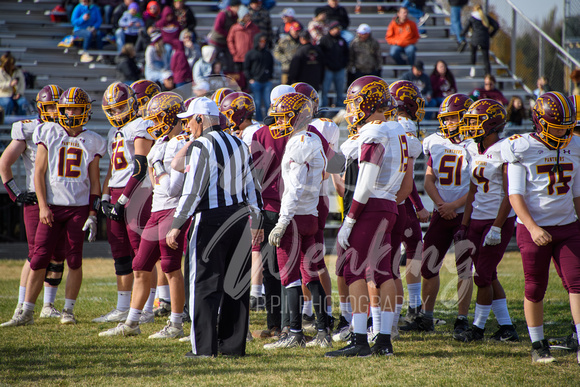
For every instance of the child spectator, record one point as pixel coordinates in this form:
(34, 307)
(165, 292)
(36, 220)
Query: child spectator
(157, 60)
(192, 50)
(127, 69)
(516, 112)
(543, 86)
(442, 82)
(168, 26)
(130, 25)
(203, 67)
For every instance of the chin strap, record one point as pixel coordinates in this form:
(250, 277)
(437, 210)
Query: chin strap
(557, 167)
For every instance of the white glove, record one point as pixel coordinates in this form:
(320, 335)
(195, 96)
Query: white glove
(344, 232)
(493, 237)
(91, 225)
(276, 234)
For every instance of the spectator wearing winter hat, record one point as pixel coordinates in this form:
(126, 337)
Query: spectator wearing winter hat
(307, 64)
(365, 54)
(288, 16)
(157, 60)
(179, 66)
(152, 14)
(318, 26)
(420, 79)
(241, 38)
(191, 47)
(261, 17)
(218, 35)
(169, 27)
(130, 25)
(336, 56)
(203, 67)
(336, 12)
(286, 48)
(402, 34)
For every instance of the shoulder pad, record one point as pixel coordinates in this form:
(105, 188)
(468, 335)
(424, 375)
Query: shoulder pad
(512, 148)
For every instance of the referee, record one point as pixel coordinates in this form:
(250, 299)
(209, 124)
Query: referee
(220, 193)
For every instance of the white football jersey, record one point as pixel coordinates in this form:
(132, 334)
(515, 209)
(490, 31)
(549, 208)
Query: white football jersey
(393, 138)
(303, 166)
(349, 148)
(23, 131)
(450, 164)
(248, 133)
(487, 175)
(67, 176)
(411, 130)
(548, 195)
(331, 133)
(122, 150)
(167, 190)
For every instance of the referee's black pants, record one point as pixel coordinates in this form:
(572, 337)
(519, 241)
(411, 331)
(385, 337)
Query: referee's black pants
(220, 262)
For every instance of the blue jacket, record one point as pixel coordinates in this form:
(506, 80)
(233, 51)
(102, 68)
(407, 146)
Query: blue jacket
(95, 19)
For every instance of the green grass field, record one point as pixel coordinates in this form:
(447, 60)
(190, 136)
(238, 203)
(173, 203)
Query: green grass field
(50, 354)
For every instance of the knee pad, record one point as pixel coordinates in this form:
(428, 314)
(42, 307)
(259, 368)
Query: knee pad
(535, 292)
(53, 274)
(123, 266)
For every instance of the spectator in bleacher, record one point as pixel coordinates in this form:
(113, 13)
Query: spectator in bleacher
(261, 17)
(335, 50)
(218, 35)
(179, 66)
(107, 7)
(258, 70)
(318, 26)
(516, 112)
(169, 27)
(456, 7)
(423, 82)
(365, 54)
(130, 26)
(203, 67)
(192, 49)
(86, 21)
(119, 11)
(358, 7)
(336, 12)
(157, 60)
(307, 65)
(402, 34)
(152, 14)
(286, 48)
(288, 16)
(70, 5)
(415, 8)
(542, 86)
(241, 38)
(12, 86)
(442, 82)
(185, 17)
(483, 27)
(489, 91)
(127, 69)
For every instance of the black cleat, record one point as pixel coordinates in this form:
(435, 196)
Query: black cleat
(383, 346)
(541, 352)
(460, 326)
(506, 333)
(358, 347)
(421, 323)
(472, 334)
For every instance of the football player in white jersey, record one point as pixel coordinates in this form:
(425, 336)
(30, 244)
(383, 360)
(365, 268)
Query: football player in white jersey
(66, 180)
(162, 110)
(129, 143)
(447, 184)
(22, 144)
(385, 178)
(488, 220)
(544, 186)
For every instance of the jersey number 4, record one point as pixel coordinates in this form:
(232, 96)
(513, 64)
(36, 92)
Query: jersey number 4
(559, 178)
(69, 162)
(478, 175)
(450, 165)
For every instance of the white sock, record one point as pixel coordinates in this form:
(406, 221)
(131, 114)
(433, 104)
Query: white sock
(536, 333)
(359, 323)
(28, 306)
(49, 295)
(344, 311)
(481, 315)
(386, 322)
(149, 304)
(176, 318)
(500, 309)
(21, 294)
(123, 300)
(398, 309)
(69, 304)
(164, 293)
(578, 330)
(134, 315)
(329, 310)
(414, 294)
(256, 291)
(307, 308)
(376, 314)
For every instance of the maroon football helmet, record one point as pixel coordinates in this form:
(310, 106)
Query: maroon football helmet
(48, 96)
(119, 104)
(484, 117)
(409, 99)
(576, 102)
(309, 91)
(553, 111)
(452, 109)
(237, 107)
(219, 95)
(365, 96)
(291, 111)
(75, 97)
(163, 110)
(144, 91)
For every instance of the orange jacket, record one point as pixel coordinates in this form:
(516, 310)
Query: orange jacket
(402, 34)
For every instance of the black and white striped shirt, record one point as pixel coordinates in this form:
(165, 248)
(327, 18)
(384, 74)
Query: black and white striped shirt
(219, 173)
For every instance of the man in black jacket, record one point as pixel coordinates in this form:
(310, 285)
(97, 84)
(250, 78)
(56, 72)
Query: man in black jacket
(335, 50)
(258, 70)
(307, 65)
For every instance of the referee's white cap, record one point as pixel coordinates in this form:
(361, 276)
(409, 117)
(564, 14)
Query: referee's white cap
(202, 106)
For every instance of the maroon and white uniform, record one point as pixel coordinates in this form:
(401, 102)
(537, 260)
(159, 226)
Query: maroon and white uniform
(124, 237)
(487, 174)
(166, 193)
(248, 133)
(549, 197)
(450, 164)
(67, 190)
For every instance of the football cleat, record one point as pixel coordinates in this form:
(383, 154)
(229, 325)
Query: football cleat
(21, 319)
(67, 317)
(169, 331)
(257, 304)
(122, 330)
(49, 311)
(371, 336)
(290, 340)
(568, 343)
(460, 326)
(309, 323)
(322, 340)
(412, 314)
(507, 333)
(541, 352)
(358, 347)
(163, 310)
(115, 315)
(146, 317)
(421, 324)
(395, 332)
(383, 346)
(342, 330)
(472, 334)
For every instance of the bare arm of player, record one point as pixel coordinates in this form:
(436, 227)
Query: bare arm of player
(407, 183)
(505, 206)
(95, 180)
(151, 176)
(469, 205)
(9, 157)
(338, 182)
(442, 207)
(40, 168)
(106, 190)
(178, 162)
(540, 236)
(171, 238)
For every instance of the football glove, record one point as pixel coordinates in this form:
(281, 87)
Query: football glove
(493, 237)
(461, 234)
(118, 212)
(27, 198)
(344, 232)
(276, 235)
(91, 225)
